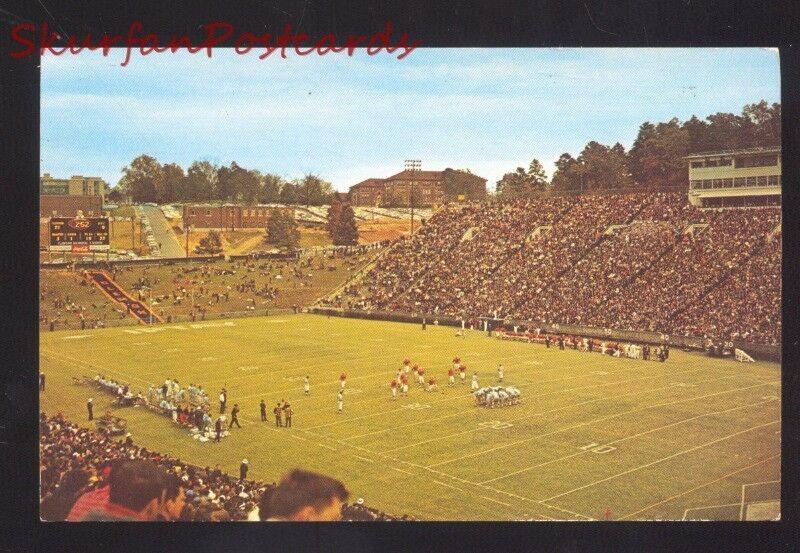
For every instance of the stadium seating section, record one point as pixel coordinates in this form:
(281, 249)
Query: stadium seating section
(644, 261)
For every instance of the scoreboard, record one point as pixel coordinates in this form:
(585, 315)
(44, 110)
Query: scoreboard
(79, 234)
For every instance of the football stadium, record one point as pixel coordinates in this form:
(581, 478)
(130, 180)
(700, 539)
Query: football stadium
(604, 344)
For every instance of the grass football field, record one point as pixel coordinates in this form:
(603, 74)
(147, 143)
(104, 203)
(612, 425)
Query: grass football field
(594, 436)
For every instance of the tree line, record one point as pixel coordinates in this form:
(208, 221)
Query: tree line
(655, 160)
(146, 180)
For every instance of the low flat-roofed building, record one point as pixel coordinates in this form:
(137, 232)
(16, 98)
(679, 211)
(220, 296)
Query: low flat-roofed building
(735, 178)
(227, 217)
(69, 206)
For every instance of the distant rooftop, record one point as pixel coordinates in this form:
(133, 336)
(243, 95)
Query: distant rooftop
(770, 150)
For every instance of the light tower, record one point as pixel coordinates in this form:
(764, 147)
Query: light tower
(413, 166)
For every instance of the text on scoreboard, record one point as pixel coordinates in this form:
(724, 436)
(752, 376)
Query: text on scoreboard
(79, 234)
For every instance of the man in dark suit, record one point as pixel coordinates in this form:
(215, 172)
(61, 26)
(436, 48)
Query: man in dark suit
(90, 408)
(235, 416)
(287, 412)
(263, 411)
(277, 412)
(41, 382)
(243, 469)
(218, 428)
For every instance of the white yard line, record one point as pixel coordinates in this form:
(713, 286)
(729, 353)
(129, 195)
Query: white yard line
(637, 435)
(495, 500)
(684, 452)
(472, 408)
(461, 396)
(638, 410)
(448, 485)
(79, 363)
(744, 486)
(686, 512)
(665, 500)
(408, 463)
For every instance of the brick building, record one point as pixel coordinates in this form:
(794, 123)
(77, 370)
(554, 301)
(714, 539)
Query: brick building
(430, 188)
(68, 206)
(227, 217)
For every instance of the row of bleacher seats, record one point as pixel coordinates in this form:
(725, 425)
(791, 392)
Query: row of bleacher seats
(643, 261)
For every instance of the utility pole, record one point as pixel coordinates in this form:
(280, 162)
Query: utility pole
(412, 166)
(188, 227)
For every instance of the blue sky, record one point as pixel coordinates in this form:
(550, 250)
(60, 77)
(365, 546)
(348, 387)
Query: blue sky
(346, 119)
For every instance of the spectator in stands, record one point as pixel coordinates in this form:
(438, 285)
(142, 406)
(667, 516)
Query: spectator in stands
(304, 496)
(57, 505)
(137, 492)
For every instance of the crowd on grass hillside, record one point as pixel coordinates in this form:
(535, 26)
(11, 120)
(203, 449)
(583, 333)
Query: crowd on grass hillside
(643, 261)
(195, 290)
(86, 475)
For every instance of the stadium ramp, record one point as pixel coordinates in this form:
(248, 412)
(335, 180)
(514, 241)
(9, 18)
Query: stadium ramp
(134, 308)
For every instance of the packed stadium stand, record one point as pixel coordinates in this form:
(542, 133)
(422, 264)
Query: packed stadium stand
(76, 464)
(640, 261)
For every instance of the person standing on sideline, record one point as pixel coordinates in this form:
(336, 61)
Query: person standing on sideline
(235, 416)
(218, 428)
(223, 399)
(41, 382)
(287, 411)
(90, 408)
(277, 412)
(243, 469)
(306, 385)
(500, 373)
(263, 406)
(340, 401)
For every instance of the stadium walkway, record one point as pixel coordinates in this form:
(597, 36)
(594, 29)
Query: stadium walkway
(170, 247)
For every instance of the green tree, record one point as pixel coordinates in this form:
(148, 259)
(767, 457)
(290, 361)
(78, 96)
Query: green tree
(247, 185)
(114, 195)
(143, 180)
(537, 178)
(174, 183)
(270, 189)
(201, 181)
(513, 185)
(603, 168)
(312, 190)
(289, 194)
(656, 157)
(225, 189)
(568, 176)
(522, 183)
(765, 122)
(341, 225)
(282, 230)
(210, 244)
